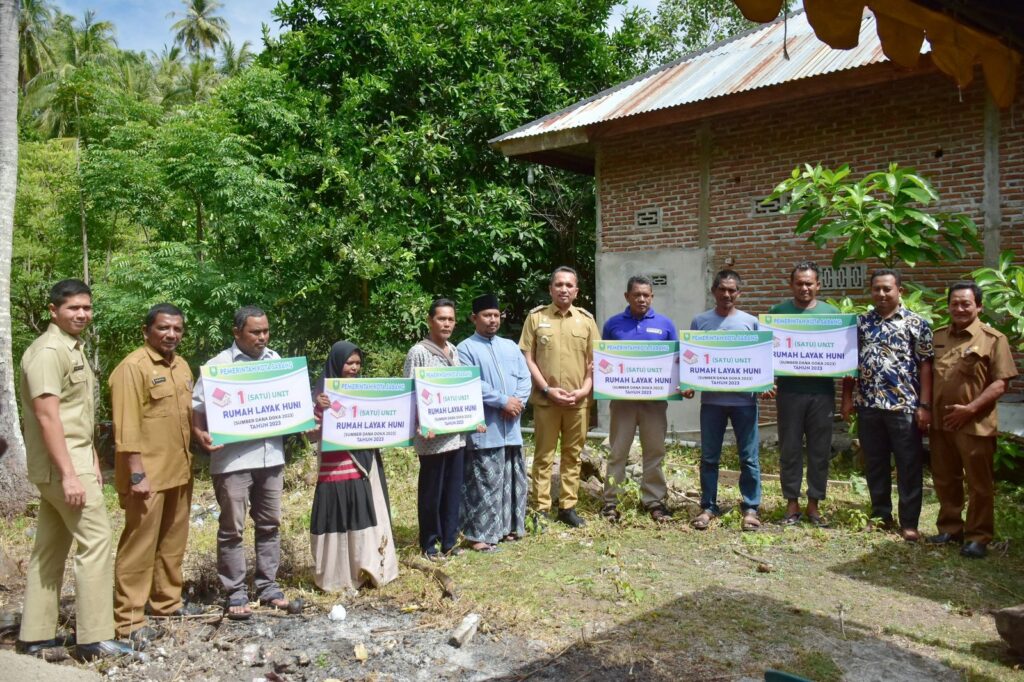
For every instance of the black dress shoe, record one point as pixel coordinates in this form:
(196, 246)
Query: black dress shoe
(570, 518)
(945, 539)
(973, 550)
(141, 637)
(33, 648)
(110, 648)
(190, 609)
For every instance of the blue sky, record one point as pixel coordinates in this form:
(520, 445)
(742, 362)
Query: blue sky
(144, 24)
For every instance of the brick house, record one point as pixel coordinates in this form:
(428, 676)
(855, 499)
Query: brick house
(684, 154)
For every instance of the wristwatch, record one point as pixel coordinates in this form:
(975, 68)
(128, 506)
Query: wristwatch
(138, 478)
(545, 390)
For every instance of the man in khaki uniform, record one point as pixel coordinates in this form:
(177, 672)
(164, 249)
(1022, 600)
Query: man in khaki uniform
(151, 393)
(558, 341)
(973, 365)
(57, 408)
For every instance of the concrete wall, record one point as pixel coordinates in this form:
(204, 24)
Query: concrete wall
(682, 295)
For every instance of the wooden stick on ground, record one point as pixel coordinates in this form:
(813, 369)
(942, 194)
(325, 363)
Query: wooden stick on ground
(445, 580)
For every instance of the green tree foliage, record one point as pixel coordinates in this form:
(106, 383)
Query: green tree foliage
(880, 217)
(1004, 297)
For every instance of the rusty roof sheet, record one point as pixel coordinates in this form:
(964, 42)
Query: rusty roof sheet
(746, 62)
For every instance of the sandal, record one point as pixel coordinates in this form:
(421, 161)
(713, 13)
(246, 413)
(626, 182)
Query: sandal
(237, 608)
(817, 521)
(659, 514)
(279, 602)
(484, 548)
(703, 520)
(792, 519)
(750, 520)
(610, 513)
(511, 537)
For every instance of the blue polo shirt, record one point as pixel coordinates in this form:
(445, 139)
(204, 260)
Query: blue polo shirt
(651, 327)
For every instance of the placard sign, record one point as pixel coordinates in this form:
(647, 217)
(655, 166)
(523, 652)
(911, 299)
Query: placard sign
(251, 400)
(448, 399)
(813, 345)
(636, 370)
(736, 361)
(368, 413)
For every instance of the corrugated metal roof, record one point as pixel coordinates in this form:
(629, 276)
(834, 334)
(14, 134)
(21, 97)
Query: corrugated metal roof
(746, 62)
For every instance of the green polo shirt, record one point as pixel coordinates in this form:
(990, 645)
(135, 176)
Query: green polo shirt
(812, 385)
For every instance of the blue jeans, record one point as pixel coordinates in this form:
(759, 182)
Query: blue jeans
(713, 419)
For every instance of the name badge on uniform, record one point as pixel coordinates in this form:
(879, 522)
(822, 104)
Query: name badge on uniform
(78, 368)
(541, 325)
(159, 380)
(651, 330)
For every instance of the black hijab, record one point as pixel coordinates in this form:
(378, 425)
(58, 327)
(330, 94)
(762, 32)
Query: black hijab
(341, 351)
(336, 359)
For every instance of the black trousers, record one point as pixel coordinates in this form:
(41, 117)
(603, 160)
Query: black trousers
(886, 436)
(438, 499)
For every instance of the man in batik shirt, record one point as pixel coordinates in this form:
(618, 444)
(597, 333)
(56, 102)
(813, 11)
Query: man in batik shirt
(893, 399)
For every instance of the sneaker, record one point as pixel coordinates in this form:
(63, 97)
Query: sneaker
(570, 518)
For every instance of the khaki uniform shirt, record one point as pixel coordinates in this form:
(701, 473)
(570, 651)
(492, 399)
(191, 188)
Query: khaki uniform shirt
(152, 412)
(562, 346)
(55, 365)
(966, 363)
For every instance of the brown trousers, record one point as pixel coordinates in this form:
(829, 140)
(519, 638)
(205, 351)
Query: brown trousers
(651, 418)
(954, 456)
(550, 422)
(149, 556)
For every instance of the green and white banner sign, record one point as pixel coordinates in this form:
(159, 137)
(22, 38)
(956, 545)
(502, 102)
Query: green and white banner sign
(252, 400)
(813, 345)
(368, 413)
(636, 370)
(448, 399)
(734, 361)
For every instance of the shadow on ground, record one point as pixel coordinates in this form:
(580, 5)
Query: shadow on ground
(715, 634)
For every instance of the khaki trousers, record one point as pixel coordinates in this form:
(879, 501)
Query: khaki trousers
(550, 422)
(57, 525)
(652, 418)
(955, 454)
(149, 556)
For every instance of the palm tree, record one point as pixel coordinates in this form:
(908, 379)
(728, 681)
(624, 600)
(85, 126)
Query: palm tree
(195, 83)
(235, 60)
(169, 66)
(35, 25)
(199, 28)
(14, 486)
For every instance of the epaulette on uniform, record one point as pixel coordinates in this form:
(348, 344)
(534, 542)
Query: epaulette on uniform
(538, 309)
(586, 312)
(990, 330)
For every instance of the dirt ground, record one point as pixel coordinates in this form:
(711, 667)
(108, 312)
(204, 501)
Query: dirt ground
(633, 601)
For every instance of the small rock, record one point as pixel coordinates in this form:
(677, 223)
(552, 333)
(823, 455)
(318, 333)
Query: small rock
(251, 655)
(264, 631)
(464, 633)
(303, 659)
(223, 646)
(338, 612)
(1010, 625)
(113, 671)
(360, 652)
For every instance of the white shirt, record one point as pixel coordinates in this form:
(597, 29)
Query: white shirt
(250, 454)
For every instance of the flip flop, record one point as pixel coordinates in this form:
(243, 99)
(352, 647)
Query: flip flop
(792, 519)
(237, 608)
(486, 548)
(817, 521)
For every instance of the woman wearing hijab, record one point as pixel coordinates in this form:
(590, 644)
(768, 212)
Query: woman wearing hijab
(350, 527)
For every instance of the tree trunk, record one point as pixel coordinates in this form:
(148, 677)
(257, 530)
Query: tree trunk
(200, 227)
(81, 209)
(15, 490)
